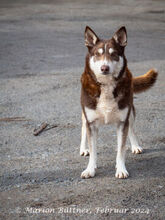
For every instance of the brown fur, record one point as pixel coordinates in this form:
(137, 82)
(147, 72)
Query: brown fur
(90, 87)
(124, 90)
(144, 82)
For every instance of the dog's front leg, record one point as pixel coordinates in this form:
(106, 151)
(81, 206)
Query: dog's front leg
(91, 168)
(136, 149)
(84, 151)
(122, 131)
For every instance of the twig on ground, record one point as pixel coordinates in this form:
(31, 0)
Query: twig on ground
(38, 130)
(51, 126)
(43, 127)
(14, 119)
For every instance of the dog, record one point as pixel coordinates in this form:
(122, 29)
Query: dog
(107, 88)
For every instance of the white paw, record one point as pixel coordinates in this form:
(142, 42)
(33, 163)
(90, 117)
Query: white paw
(121, 173)
(137, 149)
(84, 152)
(88, 173)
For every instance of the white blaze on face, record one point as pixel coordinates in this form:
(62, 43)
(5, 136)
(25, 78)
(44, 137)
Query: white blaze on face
(114, 66)
(105, 47)
(96, 65)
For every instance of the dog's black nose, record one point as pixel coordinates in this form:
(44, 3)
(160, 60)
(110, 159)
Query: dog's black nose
(105, 69)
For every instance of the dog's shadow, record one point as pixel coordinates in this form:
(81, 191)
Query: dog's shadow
(144, 165)
(149, 164)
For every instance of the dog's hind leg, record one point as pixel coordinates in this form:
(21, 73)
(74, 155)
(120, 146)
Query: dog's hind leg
(84, 151)
(91, 168)
(122, 131)
(136, 149)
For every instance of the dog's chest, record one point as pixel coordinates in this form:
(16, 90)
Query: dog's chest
(107, 106)
(107, 110)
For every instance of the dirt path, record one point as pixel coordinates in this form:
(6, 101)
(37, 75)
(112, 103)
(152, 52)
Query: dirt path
(42, 57)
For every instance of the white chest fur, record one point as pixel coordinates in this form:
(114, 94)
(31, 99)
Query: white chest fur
(107, 110)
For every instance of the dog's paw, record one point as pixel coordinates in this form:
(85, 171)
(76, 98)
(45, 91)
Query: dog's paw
(121, 173)
(88, 173)
(137, 149)
(84, 152)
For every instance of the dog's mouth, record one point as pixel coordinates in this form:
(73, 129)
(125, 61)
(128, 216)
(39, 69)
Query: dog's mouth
(105, 72)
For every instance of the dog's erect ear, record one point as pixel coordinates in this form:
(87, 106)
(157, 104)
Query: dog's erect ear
(121, 36)
(90, 37)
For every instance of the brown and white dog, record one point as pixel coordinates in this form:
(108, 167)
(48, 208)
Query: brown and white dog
(107, 97)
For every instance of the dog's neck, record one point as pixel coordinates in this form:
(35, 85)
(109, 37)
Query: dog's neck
(106, 80)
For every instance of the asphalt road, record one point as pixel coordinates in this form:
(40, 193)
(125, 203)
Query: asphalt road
(41, 60)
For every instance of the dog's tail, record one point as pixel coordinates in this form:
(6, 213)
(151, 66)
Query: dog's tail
(144, 82)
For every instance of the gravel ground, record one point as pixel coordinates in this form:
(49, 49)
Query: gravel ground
(41, 58)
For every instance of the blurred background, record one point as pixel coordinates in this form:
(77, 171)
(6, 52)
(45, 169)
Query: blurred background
(42, 56)
(47, 35)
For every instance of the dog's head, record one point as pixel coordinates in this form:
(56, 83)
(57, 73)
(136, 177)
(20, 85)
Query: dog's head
(106, 57)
